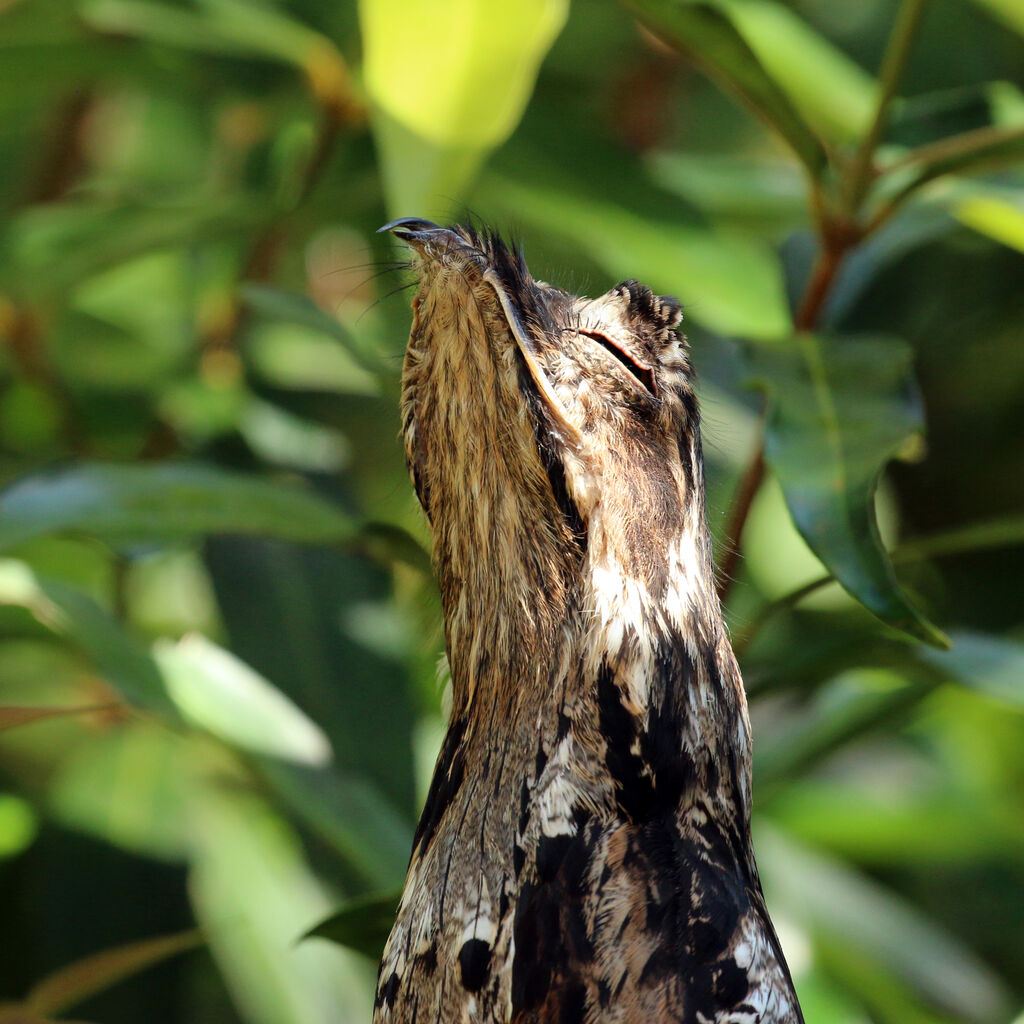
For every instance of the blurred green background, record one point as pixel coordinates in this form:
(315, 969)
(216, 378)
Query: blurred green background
(218, 629)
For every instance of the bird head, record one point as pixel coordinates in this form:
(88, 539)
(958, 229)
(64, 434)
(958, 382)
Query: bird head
(548, 436)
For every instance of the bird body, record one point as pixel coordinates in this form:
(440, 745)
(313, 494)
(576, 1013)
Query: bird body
(584, 853)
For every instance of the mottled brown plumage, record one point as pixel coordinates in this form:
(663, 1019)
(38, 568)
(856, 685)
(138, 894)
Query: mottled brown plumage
(584, 854)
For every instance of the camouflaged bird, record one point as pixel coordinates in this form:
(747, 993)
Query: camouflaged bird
(584, 853)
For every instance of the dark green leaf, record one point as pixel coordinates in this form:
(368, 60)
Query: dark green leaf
(990, 665)
(362, 925)
(288, 612)
(124, 661)
(839, 410)
(706, 31)
(169, 501)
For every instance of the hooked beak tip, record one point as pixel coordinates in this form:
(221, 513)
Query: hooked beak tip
(408, 228)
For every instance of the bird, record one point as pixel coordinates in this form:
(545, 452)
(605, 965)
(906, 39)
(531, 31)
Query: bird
(584, 853)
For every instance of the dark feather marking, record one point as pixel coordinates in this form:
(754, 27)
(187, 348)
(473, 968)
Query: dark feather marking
(445, 785)
(474, 964)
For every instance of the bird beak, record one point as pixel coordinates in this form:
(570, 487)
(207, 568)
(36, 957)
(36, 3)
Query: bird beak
(424, 234)
(420, 233)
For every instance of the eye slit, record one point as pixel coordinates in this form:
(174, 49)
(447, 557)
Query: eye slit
(642, 373)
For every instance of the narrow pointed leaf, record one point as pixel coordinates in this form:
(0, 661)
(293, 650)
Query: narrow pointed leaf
(362, 925)
(707, 32)
(171, 501)
(839, 410)
(76, 982)
(217, 691)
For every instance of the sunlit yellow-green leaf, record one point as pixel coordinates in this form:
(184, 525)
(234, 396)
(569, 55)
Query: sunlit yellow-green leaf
(448, 83)
(998, 218)
(835, 94)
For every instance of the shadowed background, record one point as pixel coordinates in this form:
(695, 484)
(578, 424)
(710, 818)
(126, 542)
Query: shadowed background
(218, 629)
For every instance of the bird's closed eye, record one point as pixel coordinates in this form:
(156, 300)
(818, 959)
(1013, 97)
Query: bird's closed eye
(642, 373)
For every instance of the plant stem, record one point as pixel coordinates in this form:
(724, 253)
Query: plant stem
(908, 21)
(830, 257)
(838, 233)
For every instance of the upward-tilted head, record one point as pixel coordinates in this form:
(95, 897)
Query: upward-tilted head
(584, 852)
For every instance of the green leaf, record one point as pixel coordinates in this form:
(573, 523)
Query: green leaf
(849, 708)
(350, 813)
(169, 501)
(76, 982)
(989, 665)
(128, 786)
(984, 149)
(287, 307)
(1009, 12)
(67, 612)
(999, 215)
(835, 95)
(220, 693)
(232, 27)
(837, 904)
(730, 283)
(49, 248)
(443, 102)
(839, 410)
(363, 925)
(18, 825)
(287, 611)
(708, 33)
(254, 895)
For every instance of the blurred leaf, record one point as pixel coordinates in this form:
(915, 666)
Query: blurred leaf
(13, 717)
(168, 501)
(363, 925)
(255, 895)
(1000, 217)
(287, 307)
(18, 825)
(841, 713)
(445, 101)
(217, 691)
(987, 664)
(737, 186)
(124, 662)
(835, 95)
(730, 283)
(231, 27)
(836, 902)
(983, 149)
(1009, 12)
(76, 982)
(838, 411)
(127, 785)
(285, 610)
(360, 824)
(48, 248)
(708, 32)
